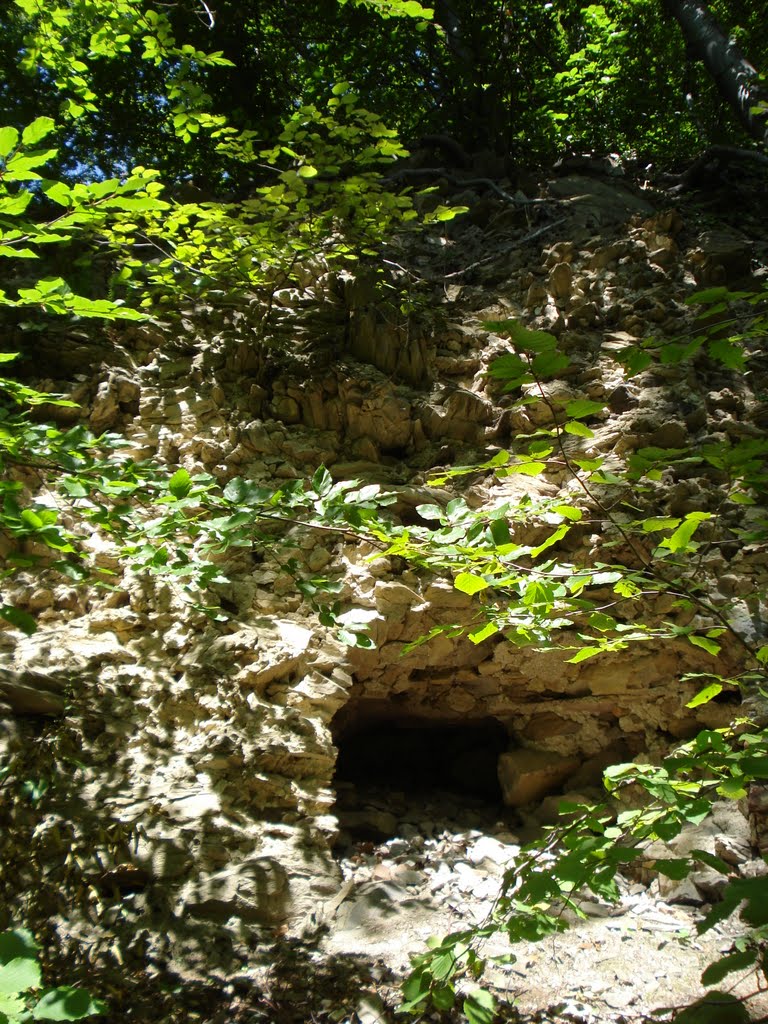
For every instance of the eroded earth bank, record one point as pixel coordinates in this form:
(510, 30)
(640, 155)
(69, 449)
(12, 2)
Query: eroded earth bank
(246, 820)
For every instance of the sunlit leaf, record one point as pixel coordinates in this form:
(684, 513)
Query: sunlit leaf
(706, 645)
(470, 584)
(582, 407)
(553, 538)
(18, 975)
(67, 1003)
(478, 635)
(180, 483)
(654, 523)
(531, 468)
(583, 654)
(578, 429)
(479, 1007)
(568, 512)
(681, 538)
(9, 138)
(705, 695)
(37, 130)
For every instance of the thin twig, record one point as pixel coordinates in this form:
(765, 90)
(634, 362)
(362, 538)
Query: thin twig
(441, 172)
(508, 248)
(209, 12)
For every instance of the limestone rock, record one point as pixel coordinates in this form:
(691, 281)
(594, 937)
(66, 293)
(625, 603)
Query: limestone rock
(561, 281)
(32, 693)
(721, 258)
(255, 891)
(527, 775)
(491, 854)
(598, 203)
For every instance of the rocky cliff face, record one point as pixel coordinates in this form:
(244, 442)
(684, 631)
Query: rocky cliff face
(180, 805)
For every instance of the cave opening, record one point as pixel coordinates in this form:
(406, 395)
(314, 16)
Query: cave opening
(398, 770)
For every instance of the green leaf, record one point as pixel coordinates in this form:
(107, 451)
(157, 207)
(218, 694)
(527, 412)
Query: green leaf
(524, 338)
(589, 465)
(672, 354)
(19, 254)
(430, 511)
(443, 997)
(582, 654)
(578, 429)
(602, 622)
(568, 512)
(470, 584)
(706, 644)
(11, 1009)
(415, 990)
(413, 9)
(180, 484)
(654, 523)
(18, 168)
(732, 789)
(558, 535)
(31, 519)
(489, 629)
(9, 137)
(531, 468)
(729, 353)
(499, 530)
(12, 206)
(752, 890)
(509, 367)
(67, 1003)
(681, 538)
(322, 481)
(19, 975)
(549, 364)
(708, 295)
(741, 498)
(479, 1007)
(37, 130)
(705, 695)
(672, 867)
(634, 361)
(445, 213)
(582, 407)
(246, 492)
(307, 171)
(20, 619)
(756, 767)
(364, 641)
(443, 965)
(712, 861)
(626, 588)
(18, 943)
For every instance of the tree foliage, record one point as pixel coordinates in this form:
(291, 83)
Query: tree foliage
(132, 82)
(22, 996)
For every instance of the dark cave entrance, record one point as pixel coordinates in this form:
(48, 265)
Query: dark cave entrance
(393, 768)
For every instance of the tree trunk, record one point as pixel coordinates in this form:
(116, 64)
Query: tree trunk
(736, 80)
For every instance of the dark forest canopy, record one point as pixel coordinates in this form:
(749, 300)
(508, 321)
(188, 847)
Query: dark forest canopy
(135, 83)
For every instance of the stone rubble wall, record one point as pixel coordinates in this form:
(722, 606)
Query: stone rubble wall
(189, 808)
